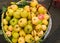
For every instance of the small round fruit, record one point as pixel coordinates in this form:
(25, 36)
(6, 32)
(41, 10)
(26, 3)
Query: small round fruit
(29, 15)
(5, 27)
(40, 22)
(45, 22)
(41, 33)
(8, 33)
(10, 28)
(44, 27)
(14, 40)
(29, 22)
(5, 22)
(24, 14)
(29, 38)
(17, 28)
(38, 27)
(27, 8)
(33, 9)
(13, 7)
(33, 15)
(42, 10)
(36, 38)
(41, 16)
(16, 14)
(10, 12)
(28, 29)
(20, 10)
(13, 21)
(15, 35)
(33, 3)
(22, 22)
(22, 33)
(34, 33)
(35, 20)
(46, 16)
(13, 32)
(8, 18)
(21, 40)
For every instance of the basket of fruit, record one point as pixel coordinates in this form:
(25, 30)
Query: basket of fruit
(26, 22)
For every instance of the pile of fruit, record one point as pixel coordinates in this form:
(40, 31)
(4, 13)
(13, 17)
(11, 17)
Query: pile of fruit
(27, 24)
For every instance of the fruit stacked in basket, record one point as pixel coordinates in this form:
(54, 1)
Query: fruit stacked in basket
(26, 24)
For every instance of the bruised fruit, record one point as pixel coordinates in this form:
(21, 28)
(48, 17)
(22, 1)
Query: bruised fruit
(22, 22)
(15, 35)
(8, 33)
(14, 40)
(22, 33)
(5, 22)
(35, 20)
(17, 28)
(28, 29)
(13, 21)
(10, 28)
(21, 40)
(38, 27)
(29, 38)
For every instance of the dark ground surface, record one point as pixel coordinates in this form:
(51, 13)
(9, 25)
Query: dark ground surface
(54, 36)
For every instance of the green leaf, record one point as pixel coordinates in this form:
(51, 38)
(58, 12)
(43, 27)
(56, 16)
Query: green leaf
(4, 8)
(39, 41)
(22, 3)
(40, 22)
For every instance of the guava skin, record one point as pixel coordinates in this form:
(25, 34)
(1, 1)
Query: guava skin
(26, 23)
(22, 22)
(13, 21)
(29, 38)
(17, 28)
(28, 29)
(15, 35)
